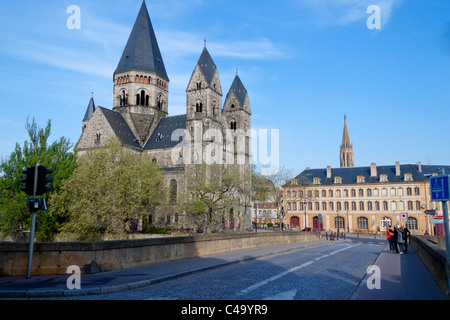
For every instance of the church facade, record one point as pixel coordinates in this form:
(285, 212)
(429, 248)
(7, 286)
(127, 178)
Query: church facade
(140, 114)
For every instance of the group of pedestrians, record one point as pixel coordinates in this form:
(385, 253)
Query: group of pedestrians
(398, 239)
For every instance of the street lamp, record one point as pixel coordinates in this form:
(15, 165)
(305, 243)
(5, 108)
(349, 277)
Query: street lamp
(338, 223)
(306, 219)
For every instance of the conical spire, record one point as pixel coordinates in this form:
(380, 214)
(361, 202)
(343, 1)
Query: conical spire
(90, 110)
(142, 50)
(239, 90)
(207, 65)
(346, 148)
(345, 136)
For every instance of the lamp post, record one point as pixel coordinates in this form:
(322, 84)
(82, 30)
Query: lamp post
(338, 222)
(306, 219)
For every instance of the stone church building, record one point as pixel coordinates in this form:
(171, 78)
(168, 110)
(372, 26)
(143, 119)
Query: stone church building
(140, 114)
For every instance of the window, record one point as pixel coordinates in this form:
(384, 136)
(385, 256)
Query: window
(377, 206)
(324, 206)
(199, 107)
(338, 193)
(369, 192)
(408, 191)
(233, 125)
(361, 205)
(401, 206)
(142, 98)
(383, 178)
(330, 193)
(393, 192)
(411, 224)
(354, 206)
(324, 194)
(337, 180)
(353, 192)
(346, 206)
(360, 179)
(384, 192)
(361, 192)
(173, 191)
(417, 205)
(317, 206)
(338, 206)
(408, 177)
(339, 223)
(362, 223)
(410, 205)
(385, 223)
(394, 206)
(385, 206)
(316, 193)
(316, 181)
(417, 191)
(369, 206)
(331, 206)
(346, 193)
(376, 193)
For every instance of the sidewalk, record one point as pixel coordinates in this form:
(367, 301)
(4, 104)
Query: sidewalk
(132, 278)
(403, 277)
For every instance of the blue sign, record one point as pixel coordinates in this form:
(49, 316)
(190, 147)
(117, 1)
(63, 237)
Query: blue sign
(440, 188)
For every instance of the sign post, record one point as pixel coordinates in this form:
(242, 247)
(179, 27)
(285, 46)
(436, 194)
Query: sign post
(440, 191)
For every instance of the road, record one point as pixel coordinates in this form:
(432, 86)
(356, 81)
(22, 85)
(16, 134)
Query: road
(329, 272)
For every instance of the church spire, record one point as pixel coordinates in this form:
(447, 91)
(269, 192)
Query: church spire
(346, 148)
(142, 51)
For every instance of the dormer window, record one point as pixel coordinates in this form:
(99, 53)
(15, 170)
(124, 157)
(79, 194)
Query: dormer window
(316, 180)
(360, 179)
(408, 177)
(383, 178)
(337, 180)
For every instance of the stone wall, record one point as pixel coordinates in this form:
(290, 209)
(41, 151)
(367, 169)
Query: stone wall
(433, 256)
(55, 258)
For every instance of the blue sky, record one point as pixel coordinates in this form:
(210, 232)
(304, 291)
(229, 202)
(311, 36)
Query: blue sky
(305, 63)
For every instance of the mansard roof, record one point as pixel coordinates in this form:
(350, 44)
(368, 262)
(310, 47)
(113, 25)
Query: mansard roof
(350, 175)
(207, 65)
(239, 90)
(90, 110)
(142, 51)
(121, 128)
(161, 137)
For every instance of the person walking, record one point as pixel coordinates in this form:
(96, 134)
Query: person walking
(406, 233)
(400, 240)
(395, 239)
(389, 238)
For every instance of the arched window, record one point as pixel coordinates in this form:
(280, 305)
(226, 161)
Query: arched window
(142, 98)
(138, 99)
(233, 125)
(173, 191)
(339, 223)
(363, 223)
(411, 224)
(199, 107)
(147, 100)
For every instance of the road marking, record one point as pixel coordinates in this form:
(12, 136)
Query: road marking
(288, 295)
(275, 277)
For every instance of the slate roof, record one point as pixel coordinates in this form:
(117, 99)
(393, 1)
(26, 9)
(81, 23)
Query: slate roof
(90, 110)
(161, 136)
(239, 90)
(121, 128)
(207, 65)
(142, 50)
(349, 175)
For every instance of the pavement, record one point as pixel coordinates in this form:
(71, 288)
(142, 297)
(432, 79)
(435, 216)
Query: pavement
(402, 276)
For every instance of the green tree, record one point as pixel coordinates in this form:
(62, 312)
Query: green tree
(212, 191)
(111, 187)
(14, 213)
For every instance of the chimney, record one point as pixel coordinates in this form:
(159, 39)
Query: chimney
(420, 167)
(328, 171)
(397, 168)
(373, 170)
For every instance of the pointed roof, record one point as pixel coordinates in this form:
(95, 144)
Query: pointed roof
(90, 110)
(207, 65)
(239, 90)
(142, 50)
(345, 135)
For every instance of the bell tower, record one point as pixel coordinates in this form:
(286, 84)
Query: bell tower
(141, 84)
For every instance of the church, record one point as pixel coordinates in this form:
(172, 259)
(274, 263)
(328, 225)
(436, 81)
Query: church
(140, 114)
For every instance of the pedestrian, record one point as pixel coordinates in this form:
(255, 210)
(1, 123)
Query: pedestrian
(395, 239)
(400, 240)
(406, 233)
(389, 238)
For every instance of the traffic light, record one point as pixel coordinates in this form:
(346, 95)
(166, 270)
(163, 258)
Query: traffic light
(29, 181)
(43, 180)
